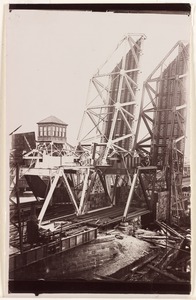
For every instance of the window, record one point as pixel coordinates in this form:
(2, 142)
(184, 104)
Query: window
(53, 131)
(45, 131)
(49, 130)
(63, 134)
(40, 131)
(57, 131)
(60, 131)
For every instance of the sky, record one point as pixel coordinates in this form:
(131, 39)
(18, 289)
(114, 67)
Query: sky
(51, 56)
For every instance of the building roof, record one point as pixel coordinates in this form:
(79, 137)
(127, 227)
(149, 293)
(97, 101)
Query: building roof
(53, 120)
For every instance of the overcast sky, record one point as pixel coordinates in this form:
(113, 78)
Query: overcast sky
(51, 55)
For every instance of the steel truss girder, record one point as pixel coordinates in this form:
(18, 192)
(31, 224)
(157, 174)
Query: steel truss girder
(83, 183)
(81, 190)
(47, 149)
(163, 114)
(111, 101)
(58, 174)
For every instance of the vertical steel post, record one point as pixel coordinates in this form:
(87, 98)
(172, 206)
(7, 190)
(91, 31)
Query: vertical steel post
(85, 186)
(18, 208)
(130, 196)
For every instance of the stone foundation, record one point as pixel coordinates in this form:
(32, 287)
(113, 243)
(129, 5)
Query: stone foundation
(68, 264)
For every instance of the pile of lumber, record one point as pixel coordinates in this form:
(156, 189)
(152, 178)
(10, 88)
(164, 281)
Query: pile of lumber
(158, 238)
(172, 244)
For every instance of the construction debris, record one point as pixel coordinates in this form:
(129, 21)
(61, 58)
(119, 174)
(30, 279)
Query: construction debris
(152, 264)
(165, 274)
(169, 230)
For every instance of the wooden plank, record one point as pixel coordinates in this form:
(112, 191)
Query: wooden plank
(171, 230)
(105, 278)
(145, 262)
(156, 237)
(173, 254)
(164, 273)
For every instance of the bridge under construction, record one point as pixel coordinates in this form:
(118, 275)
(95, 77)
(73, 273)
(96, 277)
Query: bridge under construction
(127, 164)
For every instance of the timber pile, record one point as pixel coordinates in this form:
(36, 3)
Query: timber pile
(159, 238)
(169, 246)
(161, 264)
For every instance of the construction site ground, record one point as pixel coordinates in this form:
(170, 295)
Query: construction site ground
(137, 260)
(129, 250)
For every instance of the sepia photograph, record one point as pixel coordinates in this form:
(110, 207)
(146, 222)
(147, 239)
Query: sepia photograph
(98, 142)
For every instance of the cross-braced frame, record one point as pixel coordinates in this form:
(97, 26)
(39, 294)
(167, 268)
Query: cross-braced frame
(109, 116)
(163, 114)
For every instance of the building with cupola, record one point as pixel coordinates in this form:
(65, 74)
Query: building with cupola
(52, 129)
